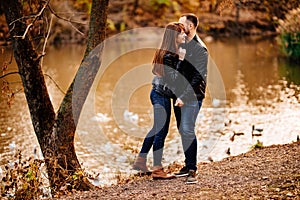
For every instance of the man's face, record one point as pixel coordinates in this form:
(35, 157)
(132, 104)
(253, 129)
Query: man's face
(185, 22)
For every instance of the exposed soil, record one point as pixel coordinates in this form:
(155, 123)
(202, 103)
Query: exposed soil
(267, 173)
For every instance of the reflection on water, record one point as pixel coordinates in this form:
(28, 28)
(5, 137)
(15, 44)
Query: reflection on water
(261, 91)
(290, 71)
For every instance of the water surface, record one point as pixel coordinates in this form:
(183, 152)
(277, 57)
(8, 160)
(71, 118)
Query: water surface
(257, 88)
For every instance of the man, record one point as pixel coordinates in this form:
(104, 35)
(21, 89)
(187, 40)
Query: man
(190, 93)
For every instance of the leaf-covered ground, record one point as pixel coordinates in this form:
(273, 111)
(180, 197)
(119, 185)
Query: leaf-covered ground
(268, 173)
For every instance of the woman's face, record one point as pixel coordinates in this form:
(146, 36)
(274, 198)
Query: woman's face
(186, 24)
(181, 38)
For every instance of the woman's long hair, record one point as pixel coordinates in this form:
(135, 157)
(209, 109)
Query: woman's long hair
(168, 45)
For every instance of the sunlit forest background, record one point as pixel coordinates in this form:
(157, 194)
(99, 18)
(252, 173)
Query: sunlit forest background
(218, 18)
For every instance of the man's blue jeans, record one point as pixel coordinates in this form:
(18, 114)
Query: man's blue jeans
(186, 119)
(159, 131)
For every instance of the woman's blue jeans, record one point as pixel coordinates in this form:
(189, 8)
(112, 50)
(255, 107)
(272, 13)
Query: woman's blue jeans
(186, 119)
(156, 136)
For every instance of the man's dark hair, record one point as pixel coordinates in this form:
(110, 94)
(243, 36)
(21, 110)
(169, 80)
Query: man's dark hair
(191, 17)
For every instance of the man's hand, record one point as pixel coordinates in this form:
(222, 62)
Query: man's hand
(179, 102)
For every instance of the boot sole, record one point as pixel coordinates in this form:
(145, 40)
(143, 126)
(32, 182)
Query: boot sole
(141, 172)
(181, 175)
(163, 178)
(139, 169)
(191, 182)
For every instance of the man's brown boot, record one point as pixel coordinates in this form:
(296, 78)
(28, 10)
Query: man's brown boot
(140, 165)
(158, 173)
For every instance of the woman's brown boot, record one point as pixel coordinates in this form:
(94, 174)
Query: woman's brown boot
(140, 165)
(158, 173)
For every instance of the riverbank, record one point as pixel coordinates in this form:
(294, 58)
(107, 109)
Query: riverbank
(264, 173)
(223, 19)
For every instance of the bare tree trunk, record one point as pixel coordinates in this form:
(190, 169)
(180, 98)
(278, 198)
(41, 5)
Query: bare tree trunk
(237, 4)
(135, 6)
(98, 22)
(73, 102)
(39, 103)
(55, 133)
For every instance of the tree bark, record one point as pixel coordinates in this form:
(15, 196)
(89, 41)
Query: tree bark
(55, 133)
(73, 102)
(38, 100)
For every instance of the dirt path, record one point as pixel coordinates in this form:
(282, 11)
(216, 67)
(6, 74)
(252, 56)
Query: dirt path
(268, 173)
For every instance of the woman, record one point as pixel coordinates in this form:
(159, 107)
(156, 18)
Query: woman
(166, 62)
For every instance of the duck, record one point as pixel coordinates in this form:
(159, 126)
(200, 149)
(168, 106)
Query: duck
(236, 134)
(256, 131)
(228, 151)
(228, 123)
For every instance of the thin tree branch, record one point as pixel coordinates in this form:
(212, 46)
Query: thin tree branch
(55, 83)
(31, 24)
(76, 29)
(39, 14)
(20, 20)
(46, 39)
(11, 58)
(10, 73)
(26, 31)
(15, 82)
(19, 90)
(6, 63)
(32, 16)
(62, 18)
(67, 20)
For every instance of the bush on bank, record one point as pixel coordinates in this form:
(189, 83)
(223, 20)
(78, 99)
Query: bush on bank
(289, 34)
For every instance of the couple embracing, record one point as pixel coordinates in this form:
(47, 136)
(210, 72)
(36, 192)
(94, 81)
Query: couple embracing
(180, 69)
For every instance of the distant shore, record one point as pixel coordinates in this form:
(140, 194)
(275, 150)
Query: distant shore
(251, 19)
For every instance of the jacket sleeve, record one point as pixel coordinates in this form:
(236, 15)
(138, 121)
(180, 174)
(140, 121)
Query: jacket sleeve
(199, 76)
(171, 67)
